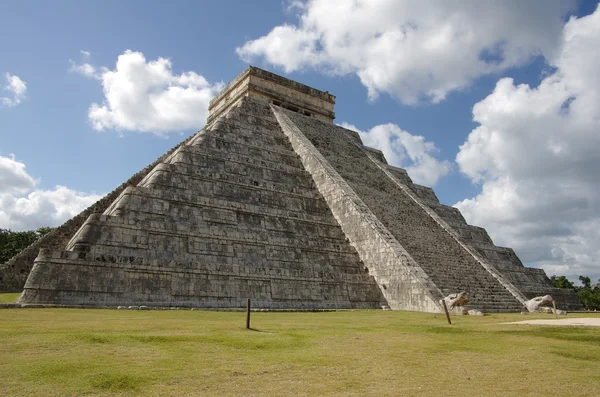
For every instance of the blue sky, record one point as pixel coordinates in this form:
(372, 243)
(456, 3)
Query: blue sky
(408, 70)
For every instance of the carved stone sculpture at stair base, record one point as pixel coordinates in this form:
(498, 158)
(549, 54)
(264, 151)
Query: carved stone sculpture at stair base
(274, 202)
(458, 299)
(534, 304)
(457, 303)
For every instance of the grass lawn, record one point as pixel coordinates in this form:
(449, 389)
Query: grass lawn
(9, 298)
(72, 352)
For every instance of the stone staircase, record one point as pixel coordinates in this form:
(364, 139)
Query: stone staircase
(531, 282)
(449, 266)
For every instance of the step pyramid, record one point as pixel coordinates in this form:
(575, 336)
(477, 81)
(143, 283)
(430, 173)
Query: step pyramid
(272, 201)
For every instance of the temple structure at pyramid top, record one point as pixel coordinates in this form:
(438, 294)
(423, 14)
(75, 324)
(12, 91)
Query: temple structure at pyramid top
(272, 201)
(268, 87)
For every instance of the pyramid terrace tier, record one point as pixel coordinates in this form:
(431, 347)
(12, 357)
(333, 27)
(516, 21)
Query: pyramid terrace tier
(222, 219)
(273, 202)
(77, 278)
(266, 87)
(14, 273)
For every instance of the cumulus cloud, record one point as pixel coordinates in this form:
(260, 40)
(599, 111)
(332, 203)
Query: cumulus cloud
(405, 150)
(17, 89)
(13, 177)
(535, 154)
(23, 208)
(412, 50)
(147, 96)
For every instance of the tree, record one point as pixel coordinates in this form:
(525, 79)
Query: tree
(586, 281)
(588, 294)
(562, 282)
(42, 231)
(11, 243)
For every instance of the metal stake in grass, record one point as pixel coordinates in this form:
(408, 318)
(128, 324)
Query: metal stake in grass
(248, 314)
(555, 311)
(446, 310)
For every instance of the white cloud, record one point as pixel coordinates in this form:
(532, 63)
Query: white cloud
(17, 89)
(535, 152)
(39, 207)
(85, 68)
(13, 177)
(294, 5)
(147, 96)
(405, 150)
(413, 50)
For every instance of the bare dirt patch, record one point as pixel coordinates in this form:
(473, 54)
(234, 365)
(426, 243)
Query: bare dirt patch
(585, 322)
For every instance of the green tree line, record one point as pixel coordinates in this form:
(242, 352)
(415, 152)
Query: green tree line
(11, 243)
(588, 294)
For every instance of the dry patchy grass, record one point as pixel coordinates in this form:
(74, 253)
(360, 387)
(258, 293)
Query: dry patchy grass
(70, 352)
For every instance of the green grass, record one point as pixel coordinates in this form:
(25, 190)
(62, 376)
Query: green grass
(9, 298)
(71, 352)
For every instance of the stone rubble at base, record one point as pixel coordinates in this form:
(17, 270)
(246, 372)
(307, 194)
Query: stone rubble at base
(272, 201)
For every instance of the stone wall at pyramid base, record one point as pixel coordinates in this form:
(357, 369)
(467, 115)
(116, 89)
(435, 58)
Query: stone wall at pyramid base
(73, 278)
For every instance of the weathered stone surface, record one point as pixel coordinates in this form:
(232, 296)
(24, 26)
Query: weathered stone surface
(273, 202)
(14, 273)
(404, 283)
(530, 282)
(227, 216)
(268, 87)
(441, 263)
